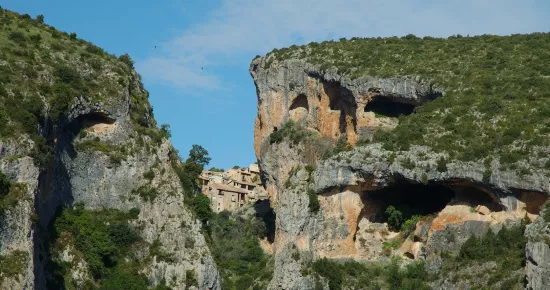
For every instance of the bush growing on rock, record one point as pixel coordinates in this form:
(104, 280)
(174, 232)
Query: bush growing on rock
(313, 205)
(395, 218)
(103, 237)
(355, 275)
(4, 185)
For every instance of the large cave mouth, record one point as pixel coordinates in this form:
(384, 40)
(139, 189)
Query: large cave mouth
(410, 198)
(384, 106)
(425, 199)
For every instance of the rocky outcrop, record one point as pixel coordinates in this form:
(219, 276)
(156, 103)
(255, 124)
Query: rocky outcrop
(538, 253)
(100, 161)
(355, 187)
(17, 231)
(330, 103)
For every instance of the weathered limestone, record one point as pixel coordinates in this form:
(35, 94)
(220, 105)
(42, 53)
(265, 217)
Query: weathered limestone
(98, 179)
(346, 225)
(325, 101)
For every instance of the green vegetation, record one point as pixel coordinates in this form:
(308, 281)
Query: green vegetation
(45, 68)
(341, 145)
(233, 241)
(292, 131)
(442, 165)
(102, 238)
(545, 212)
(401, 219)
(214, 169)
(116, 153)
(355, 275)
(147, 192)
(10, 193)
(506, 249)
(188, 172)
(149, 175)
(13, 264)
(190, 279)
(497, 90)
(314, 205)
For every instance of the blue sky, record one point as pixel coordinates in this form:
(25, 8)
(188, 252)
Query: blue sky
(198, 75)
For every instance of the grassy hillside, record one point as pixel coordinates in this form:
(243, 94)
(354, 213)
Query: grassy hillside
(497, 90)
(43, 71)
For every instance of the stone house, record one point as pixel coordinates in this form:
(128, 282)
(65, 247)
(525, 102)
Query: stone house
(233, 188)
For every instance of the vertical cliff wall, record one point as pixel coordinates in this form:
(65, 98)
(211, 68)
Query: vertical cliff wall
(337, 206)
(77, 132)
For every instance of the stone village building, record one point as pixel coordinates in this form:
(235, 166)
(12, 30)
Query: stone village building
(233, 188)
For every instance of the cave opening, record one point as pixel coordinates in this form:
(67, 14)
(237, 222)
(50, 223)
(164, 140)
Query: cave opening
(300, 102)
(265, 213)
(384, 106)
(410, 199)
(417, 199)
(90, 120)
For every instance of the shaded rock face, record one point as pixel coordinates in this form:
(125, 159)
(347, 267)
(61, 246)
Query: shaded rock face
(354, 188)
(101, 178)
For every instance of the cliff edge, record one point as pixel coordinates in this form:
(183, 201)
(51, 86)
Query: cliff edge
(405, 147)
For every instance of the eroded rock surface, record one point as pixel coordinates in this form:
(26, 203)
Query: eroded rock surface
(355, 187)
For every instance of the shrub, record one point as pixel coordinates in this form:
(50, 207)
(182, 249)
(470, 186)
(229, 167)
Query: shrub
(147, 193)
(102, 236)
(290, 130)
(149, 175)
(122, 234)
(424, 178)
(165, 131)
(408, 163)
(233, 241)
(395, 218)
(93, 49)
(244, 282)
(126, 59)
(72, 35)
(189, 243)
(442, 165)
(5, 185)
(330, 270)
(13, 264)
(17, 36)
(506, 249)
(40, 19)
(313, 205)
(36, 38)
(56, 35)
(155, 250)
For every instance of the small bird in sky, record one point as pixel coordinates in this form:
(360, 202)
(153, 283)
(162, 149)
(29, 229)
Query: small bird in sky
(201, 68)
(155, 47)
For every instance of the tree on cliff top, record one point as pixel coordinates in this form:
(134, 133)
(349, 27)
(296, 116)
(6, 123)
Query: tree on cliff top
(188, 172)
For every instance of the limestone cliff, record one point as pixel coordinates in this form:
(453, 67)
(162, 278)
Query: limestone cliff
(459, 196)
(77, 128)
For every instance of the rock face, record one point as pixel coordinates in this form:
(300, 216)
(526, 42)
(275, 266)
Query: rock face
(538, 253)
(355, 187)
(329, 103)
(100, 160)
(92, 177)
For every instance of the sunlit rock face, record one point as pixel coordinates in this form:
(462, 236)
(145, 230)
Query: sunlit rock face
(356, 187)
